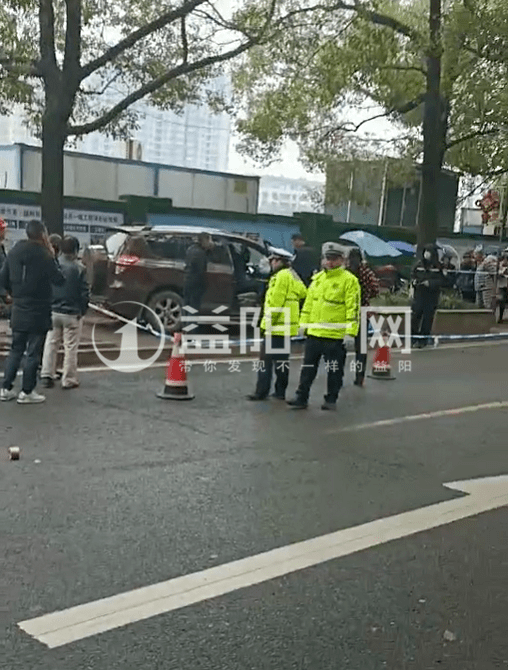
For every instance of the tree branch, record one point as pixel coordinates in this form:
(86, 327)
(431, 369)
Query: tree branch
(381, 19)
(105, 87)
(49, 65)
(131, 40)
(472, 136)
(400, 109)
(178, 71)
(185, 43)
(403, 68)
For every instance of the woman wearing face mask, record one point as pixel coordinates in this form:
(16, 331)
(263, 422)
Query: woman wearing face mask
(427, 280)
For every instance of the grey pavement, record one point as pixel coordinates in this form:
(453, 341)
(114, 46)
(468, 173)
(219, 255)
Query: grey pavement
(131, 490)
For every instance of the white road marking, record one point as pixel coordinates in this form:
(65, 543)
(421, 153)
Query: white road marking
(61, 628)
(419, 417)
(395, 352)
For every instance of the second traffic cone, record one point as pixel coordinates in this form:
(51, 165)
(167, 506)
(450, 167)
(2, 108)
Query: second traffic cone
(381, 368)
(175, 386)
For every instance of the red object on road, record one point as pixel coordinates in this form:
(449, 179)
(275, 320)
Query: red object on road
(381, 368)
(176, 387)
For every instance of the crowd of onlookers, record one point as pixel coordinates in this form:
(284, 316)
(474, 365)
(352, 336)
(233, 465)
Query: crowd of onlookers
(482, 278)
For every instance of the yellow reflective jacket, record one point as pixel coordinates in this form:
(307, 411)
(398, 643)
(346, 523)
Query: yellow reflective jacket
(285, 290)
(332, 307)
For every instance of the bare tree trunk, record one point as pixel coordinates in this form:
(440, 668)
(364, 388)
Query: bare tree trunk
(435, 120)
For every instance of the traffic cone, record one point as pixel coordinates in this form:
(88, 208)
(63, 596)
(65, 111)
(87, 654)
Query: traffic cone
(175, 387)
(381, 368)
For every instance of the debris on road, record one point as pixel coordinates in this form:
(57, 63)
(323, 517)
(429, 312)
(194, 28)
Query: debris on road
(449, 636)
(14, 453)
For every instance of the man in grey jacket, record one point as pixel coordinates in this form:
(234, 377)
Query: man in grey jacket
(70, 303)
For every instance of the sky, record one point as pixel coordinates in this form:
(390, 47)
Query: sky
(290, 165)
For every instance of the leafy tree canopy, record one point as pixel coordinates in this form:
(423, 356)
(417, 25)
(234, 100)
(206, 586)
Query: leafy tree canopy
(336, 57)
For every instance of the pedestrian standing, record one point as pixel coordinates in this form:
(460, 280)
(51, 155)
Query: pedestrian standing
(466, 276)
(70, 304)
(331, 311)
(196, 263)
(4, 299)
(486, 273)
(56, 242)
(427, 280)
(479, 277)
(369, 289)
(280, 321)
(28, 275)
(305, 263)
(502, 285)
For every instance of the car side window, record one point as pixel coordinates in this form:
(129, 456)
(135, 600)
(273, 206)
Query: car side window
(169, 248)
(220, 253)
(259, 260)
(114, 243)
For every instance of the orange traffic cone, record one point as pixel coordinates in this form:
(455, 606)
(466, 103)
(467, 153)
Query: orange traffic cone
(381, 368)
(175, 387)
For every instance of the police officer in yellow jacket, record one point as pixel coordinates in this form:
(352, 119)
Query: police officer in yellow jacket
(280, 321)
(331, 311)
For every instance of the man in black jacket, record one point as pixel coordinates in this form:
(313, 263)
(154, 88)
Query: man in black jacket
(70, 304)
(196, 263)
(427, 280)
(305, 260)
(27, 276)
(4, 309)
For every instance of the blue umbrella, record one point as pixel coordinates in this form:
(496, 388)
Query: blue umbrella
(403, 247)
(370, 244)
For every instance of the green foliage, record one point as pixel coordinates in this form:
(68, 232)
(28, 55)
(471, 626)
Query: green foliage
(153, 66)
(387, 299)
(447, 300)
(338, 58)
(452, 300)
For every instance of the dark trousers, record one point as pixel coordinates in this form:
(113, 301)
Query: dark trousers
(361, 359)
(192, 296)
(468, 296)
(278, 360)
(423, 309)
(32, 344)
(334, 353)
(501, 303)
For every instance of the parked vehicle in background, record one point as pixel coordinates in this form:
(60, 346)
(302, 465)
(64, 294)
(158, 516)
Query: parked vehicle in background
(145, 265)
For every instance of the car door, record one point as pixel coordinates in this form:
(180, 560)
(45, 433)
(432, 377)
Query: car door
(220, 277)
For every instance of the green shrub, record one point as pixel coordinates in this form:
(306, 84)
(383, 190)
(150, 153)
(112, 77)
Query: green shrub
(387, 299)
(447, 300)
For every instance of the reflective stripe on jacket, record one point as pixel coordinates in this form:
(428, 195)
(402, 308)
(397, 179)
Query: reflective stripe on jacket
(285, 290)
(332, 307)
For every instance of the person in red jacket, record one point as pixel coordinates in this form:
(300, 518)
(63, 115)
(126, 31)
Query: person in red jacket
(369, 287)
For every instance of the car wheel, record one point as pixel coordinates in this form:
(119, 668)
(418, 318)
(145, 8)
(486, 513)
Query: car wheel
(167, 305)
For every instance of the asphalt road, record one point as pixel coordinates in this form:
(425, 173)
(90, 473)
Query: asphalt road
(117, 490)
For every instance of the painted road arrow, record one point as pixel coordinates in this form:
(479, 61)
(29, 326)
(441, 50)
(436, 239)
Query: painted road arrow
(76, 623)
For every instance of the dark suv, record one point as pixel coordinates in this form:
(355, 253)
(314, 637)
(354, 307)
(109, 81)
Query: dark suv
(145, 265)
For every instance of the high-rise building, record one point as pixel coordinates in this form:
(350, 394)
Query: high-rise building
(283, 195)
(197, 138)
